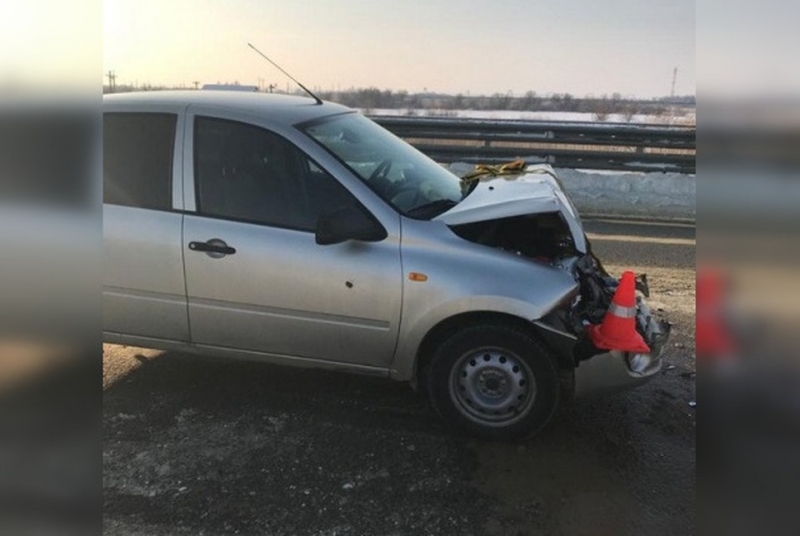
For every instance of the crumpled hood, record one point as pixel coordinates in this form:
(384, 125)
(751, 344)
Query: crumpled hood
(535, 191)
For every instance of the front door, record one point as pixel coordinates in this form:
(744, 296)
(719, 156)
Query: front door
(255, 277)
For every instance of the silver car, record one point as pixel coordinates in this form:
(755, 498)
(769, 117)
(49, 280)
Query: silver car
(275, 228)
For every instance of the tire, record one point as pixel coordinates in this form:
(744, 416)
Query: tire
(494, 382)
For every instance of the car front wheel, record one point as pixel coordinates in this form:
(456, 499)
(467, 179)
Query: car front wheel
(495, 382)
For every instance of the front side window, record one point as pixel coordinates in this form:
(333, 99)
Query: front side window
(137, 159)
(246, 173)
(411, 182)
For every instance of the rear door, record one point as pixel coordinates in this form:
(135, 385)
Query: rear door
(144, 294)
(255, 277)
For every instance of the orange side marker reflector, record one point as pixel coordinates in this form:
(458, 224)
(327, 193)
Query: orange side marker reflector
(416, 276)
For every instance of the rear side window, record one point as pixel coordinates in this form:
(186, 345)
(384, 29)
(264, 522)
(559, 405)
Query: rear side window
(137, 159)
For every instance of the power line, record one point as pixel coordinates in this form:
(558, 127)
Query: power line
(112, 81)
(674, 78)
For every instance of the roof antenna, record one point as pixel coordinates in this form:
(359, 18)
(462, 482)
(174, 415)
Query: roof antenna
(304, 88)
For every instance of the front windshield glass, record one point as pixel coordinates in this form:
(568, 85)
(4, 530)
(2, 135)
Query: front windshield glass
(411, 182)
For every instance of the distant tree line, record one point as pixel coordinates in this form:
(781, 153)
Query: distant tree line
(373, 98)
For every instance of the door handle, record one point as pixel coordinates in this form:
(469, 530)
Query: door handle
(215, 248)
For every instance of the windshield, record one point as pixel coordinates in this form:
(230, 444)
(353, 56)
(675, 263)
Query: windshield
(411, 182)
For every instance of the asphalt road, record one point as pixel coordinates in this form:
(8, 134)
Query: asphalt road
(200, 446)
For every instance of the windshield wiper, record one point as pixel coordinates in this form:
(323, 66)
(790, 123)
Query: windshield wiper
(432, 209)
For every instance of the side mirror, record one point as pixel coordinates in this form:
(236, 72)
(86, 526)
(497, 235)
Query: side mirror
(348, 223)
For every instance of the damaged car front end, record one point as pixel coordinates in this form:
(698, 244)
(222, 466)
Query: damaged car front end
(528, 214)
(599, 370)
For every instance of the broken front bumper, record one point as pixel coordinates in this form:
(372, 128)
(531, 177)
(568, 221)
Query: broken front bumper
(616, 370)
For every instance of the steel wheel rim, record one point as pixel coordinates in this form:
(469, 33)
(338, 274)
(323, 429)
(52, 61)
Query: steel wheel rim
(492, 386)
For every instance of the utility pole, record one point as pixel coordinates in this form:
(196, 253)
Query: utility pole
(674, 78)
(112, 81)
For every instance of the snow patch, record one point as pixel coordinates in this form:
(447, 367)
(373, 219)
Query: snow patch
(679, 117)
(628, 194)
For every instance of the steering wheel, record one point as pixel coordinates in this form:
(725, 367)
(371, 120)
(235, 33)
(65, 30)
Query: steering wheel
(405, 197)
(382, 170)
(408, 196)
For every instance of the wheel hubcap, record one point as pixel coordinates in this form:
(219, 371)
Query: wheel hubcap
(492, 386)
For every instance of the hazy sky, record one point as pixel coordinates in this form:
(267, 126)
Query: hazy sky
(477, 46)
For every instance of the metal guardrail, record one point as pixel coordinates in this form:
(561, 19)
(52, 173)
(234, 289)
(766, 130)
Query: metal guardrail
(608, 146)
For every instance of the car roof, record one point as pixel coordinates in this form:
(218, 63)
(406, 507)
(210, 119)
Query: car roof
(289, 109)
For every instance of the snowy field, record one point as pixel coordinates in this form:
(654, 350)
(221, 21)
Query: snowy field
(675, 116)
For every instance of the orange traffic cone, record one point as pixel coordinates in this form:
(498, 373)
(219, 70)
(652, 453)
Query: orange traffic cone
(618, 329)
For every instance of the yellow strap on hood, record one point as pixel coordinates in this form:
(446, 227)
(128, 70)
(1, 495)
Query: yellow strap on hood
(509, 168)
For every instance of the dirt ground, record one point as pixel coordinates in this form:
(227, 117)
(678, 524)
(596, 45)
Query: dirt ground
(199, 446)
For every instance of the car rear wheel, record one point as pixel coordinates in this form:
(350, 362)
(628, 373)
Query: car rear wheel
(494, 382)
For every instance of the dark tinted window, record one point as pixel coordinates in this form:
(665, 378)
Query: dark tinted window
(137, 159)
(247, 173)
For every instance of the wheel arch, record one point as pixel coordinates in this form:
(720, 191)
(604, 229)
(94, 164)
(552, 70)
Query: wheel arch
(447, 327)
